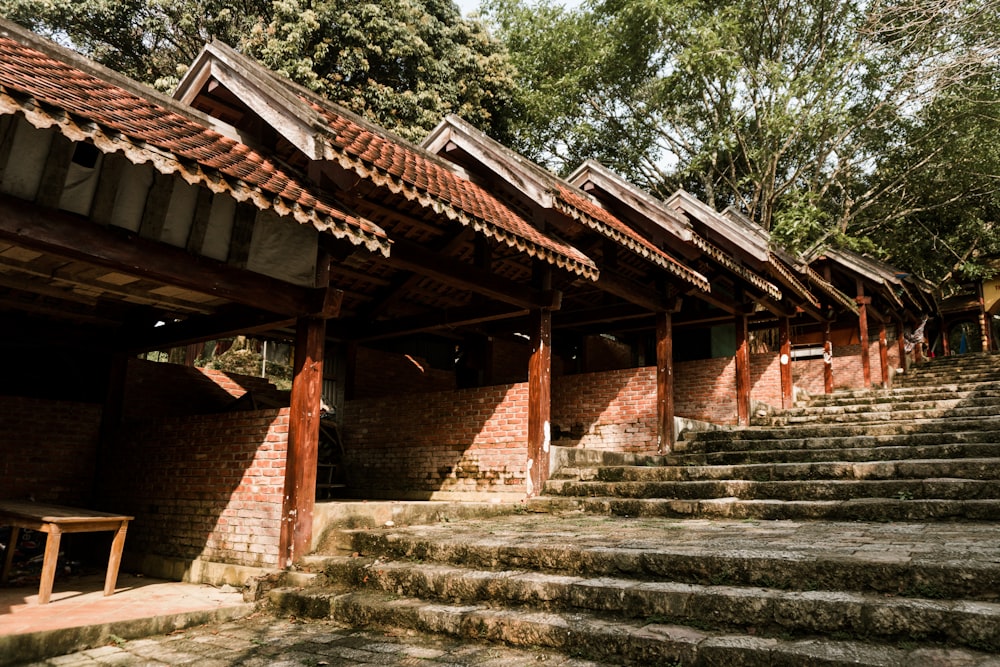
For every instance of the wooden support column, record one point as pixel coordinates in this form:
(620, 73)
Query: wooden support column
(303, 441)
(539, 400)
(664, 383)
(742, 371)
(883, 354)
(866, 363)
(785, 361)
(827, 361)
(904, 362)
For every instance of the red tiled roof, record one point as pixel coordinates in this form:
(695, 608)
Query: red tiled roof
(580, 208)
(407, 170)
(48, 92)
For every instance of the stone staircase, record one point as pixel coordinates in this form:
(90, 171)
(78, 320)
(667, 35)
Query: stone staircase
(858, 529)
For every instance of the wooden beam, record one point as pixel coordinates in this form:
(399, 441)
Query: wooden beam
(785, 362)
(901, 346)
(69, 236)
(633, 292)
(742, 371)
(582, 317)
(303, 442)
(664, 383)
(410, 257)
(201, 328)
(438, 319)
(866, 363)
(539, 401)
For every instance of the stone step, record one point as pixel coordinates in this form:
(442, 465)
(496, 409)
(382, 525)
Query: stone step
(890, 414)
(967, 468)
(646, 642)
(770, 611)
(796, 490)
(854, 509)
(952, 430)
(877, 397)
(872, 450)
(895, 404)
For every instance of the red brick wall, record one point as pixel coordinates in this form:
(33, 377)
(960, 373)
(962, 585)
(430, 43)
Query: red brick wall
(613, 410)
(848, 371)
(161, 390)
(706, 390)
(206, 486)
(470, 441)
(378, 373)
(765, 379)
(49, 450)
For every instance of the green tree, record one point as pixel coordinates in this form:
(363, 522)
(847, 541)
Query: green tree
(403, 64)
(787, 110)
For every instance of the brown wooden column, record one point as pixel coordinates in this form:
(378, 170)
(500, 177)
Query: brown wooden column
(785, 361)
(904, 362)
(866, 363)
(664, 383)
(539, 400)
(742, 371)
(827, 361)
(883, 354)
(303, 441)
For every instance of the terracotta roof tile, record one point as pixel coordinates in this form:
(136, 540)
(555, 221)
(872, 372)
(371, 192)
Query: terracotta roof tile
(48, 91)
(408, 170)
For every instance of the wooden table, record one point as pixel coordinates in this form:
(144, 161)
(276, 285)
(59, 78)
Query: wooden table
(56, 520)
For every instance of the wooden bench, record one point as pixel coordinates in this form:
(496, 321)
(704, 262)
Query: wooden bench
(54, 520)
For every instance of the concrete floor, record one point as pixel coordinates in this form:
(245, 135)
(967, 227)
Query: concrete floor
(79, 615)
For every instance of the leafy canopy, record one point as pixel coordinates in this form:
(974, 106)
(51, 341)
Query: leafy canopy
(820, 120)
(403, 64)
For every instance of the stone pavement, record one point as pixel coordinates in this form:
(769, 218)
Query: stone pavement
(263, 640)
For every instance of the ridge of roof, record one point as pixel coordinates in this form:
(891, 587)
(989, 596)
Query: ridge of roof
(750, 237)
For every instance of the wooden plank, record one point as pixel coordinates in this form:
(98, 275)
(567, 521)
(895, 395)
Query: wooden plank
(239, 241)
(362, 330)
(901, 346)
(54, 175)
(199, 225)
(664, 383)
(742, 371)
(303, 442)
(112, 167)
(68, 236)
(8, 127)
(154, 215)
(539, 400)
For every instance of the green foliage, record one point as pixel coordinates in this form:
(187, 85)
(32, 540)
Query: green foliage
(827, 120)
(404, 64)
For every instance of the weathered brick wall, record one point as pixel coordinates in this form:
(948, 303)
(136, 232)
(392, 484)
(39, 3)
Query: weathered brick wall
(465, 442)
(161, 390)
(378, 373)
(207, 486)
(48, 450)
(765, 378)
(612, 410)
(848, 370)
(706, 390)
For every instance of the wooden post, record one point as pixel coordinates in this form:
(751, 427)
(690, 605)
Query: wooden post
(904, 362)
(785, 361)
(883, 354)
(303, 441)
(827, 361)
(742, 371)
(866, 364)
(664, 383)
(539, 400)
